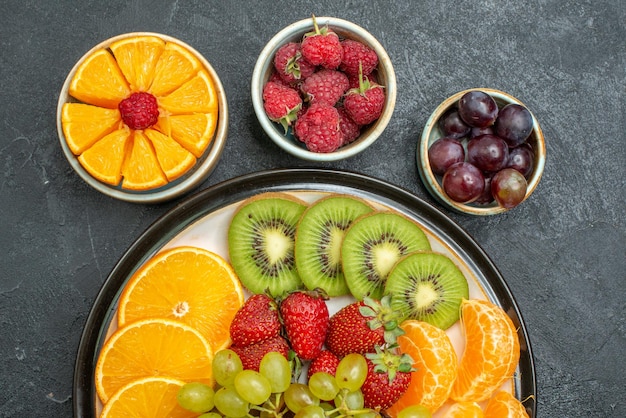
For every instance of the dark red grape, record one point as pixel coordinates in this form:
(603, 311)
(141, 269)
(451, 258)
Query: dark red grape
(443, 153)
(488, 152)
(474, 132)
(452, 125)
(478, 109)
(485, 197)
(522, 159)
(463, 182)
(508, 187)
(514, 124)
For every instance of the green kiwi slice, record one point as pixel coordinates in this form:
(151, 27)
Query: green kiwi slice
(261, 240)
(319, 236)
(372, 246)
(429, 287)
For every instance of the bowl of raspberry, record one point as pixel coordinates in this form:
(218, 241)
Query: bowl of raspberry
(482, 152)
(323, 89)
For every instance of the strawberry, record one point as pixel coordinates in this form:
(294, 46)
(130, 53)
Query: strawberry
(325, 86)
(305, 319)
(349, 129)
(361, 326)
(319, 129)
(139, 110)
(291, 65)
(255, 321)
(325, 362)
(322, 47)
(356, 53)
(388, 378)
(251, 355)
(365, 104)
(281, 103)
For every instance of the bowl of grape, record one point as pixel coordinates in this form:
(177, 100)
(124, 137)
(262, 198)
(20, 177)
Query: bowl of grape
(482, 152)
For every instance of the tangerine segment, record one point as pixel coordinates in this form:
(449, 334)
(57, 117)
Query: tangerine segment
(491, 354)
(464, 410)
(190, 284)
(99, 81)
(175, 66)
(137, 58)
(85, 124)
(435, 363)
(173, 158)
(504, 405)
(152, 347)
(105, 158)
(196, 95)
(149, 397)
(141, 169)
(194, 131)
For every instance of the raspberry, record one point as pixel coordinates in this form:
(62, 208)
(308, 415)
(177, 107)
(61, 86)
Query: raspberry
(139, 110)
(355, 53)
(322, 47)
(319, 129)
(325, 86)
(349, 129)
(354, 80)
(281, 103)
(365, 104)
(291, 65)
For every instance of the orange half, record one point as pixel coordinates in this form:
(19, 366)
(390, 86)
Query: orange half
(137, 58)
(99, 81)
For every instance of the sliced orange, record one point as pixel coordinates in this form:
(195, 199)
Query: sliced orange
(141, 169)
(175, 66)
(105, 158)
(150, 397)
(464, 410)
(152, 347)
(85, 124)
(194, 131)
(491, 351)
(173, 158)
(99, 81)
(137, 58)
(504, 405)
(189, 284)
(196, 95)
(435, 363)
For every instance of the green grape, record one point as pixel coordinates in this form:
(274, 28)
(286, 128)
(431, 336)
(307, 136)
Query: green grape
(275, 367)
(370, 414)
(350, 400)
(210, 415)
(351, 372)
(229, 403)
(196, 397)
(226, 365)
(324, 386)
(298, 395)
(415, 411)
(311, 411)
(273, 407)
(253, 386)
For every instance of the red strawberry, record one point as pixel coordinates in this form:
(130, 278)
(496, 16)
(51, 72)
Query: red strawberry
(305, 318)
(251, 355)
(281, 103)
(355, 53)
(139, 110)
(365, 104)
(325, 86)
(322, 47)
(361, 326)
(325, 362)
(255, 321)
(388, 378)
(349, 129)
(291, 65)
(319, 129)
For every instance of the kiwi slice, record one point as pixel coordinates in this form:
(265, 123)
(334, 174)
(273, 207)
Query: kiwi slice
(261, 240)
(373, 245)
(319, 236)
(429, 287)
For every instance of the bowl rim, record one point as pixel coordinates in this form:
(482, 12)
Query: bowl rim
(204, 166)
(261, 71)
(430, 179)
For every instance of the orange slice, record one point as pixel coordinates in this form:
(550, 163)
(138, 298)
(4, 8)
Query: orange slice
(150, 397)
(504, 405)
(435, 363)
(464, 410)
(152, 347)
(194, 131)
(175, 66)
(188, 284)
(491, 352)
(137, 58)
(105, 158)
(141, 169)
(99, 81)
(196, 95)
(173, 158)
(85, 124)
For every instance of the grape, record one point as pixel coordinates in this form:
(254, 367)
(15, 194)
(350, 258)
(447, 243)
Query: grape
(253, 387)
(443, 153)
(488, 153)
(210, 415)
(522, 159)
(478, 109)
(350, 400)
(415, 411)
(351, 372)
(514, 124)
(463, 182)
(485, 197)
(298, 395)
(275, 367)
(229, 403)
(196, 397)
(452, 125)
(324, 386)
(508, 187)
(311, 411)
(226, 365)
(474, 132)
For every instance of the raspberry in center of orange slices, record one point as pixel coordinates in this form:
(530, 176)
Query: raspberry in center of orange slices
(139, 110)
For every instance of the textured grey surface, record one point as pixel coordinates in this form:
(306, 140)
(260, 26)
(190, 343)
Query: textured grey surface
(562, 252)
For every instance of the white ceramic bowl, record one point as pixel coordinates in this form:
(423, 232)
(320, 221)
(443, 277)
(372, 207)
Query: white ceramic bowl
(294, 33)
(190, 180)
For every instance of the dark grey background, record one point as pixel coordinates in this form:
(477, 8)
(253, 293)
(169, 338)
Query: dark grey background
(562, 252)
